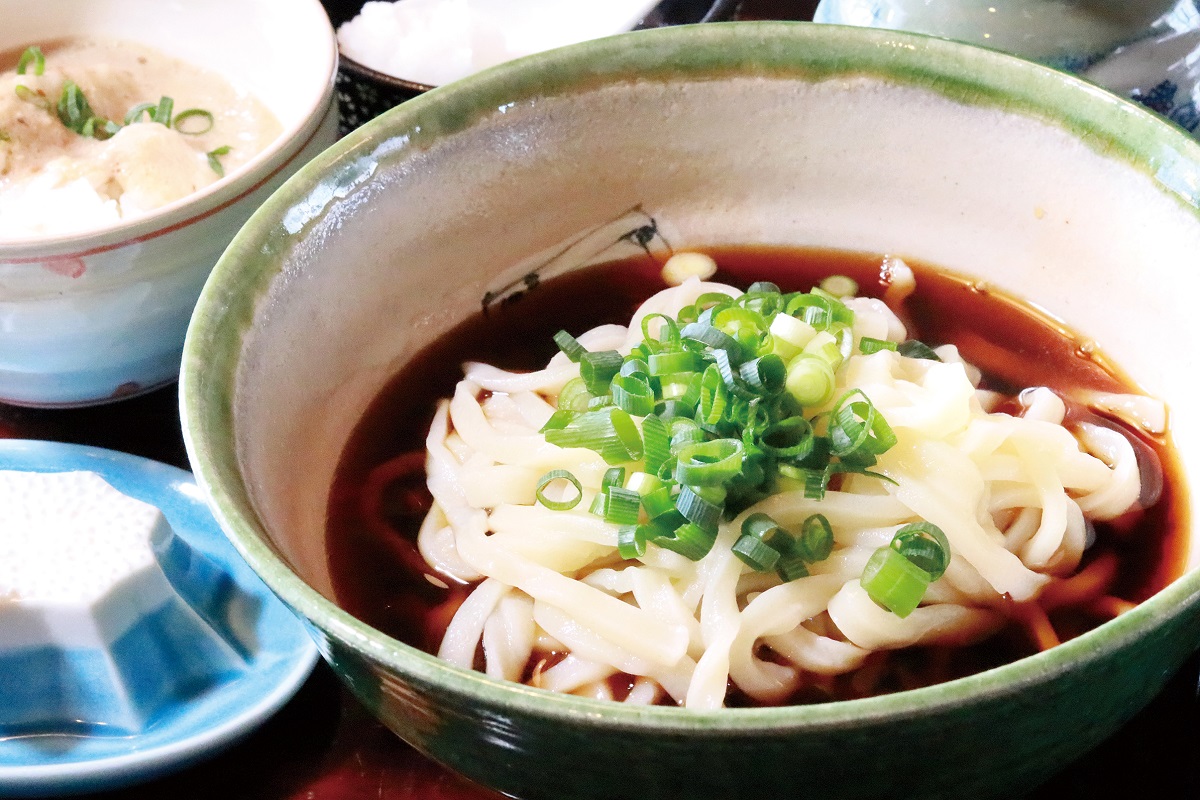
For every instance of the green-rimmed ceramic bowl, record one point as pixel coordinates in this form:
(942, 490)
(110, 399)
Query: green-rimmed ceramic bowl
(772, 133)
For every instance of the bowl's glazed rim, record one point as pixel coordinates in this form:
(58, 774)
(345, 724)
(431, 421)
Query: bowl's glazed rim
(975, 76)
(293, 137)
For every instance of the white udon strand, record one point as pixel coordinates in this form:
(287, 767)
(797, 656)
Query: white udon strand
(867, 625)
(508, 637)
(775, 612)
(1122, 490)
(626, 626)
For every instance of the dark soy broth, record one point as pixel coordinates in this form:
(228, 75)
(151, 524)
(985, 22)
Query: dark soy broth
(379, 577)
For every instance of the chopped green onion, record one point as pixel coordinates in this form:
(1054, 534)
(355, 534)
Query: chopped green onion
(636, 368)
(622, 506)
(709, 336)
(702, 505)
(609, 431)
(558, 477)
(840, 286)
(709, 463)
(732, 379)
(668, 333)
(714, 396)
(825, 345)
(190, 114)
(656, 441)
(569, 345)
(680, 361)
(98, 128)
(658, 502)
(32, 55)
(643, 483)
(791, 565)
(633, 395)
(925, 545)
(162, 114)
(73, 108)
(30, 96)
(815, 541)
(559, 420)
(133, 114)
(858, 431)
(759, 545)
(810, 380)
(791, 437)
(755, 553)
(214, 160)
(915, 349)
(689, 540)
(713, 404)
(614, 476)
(631, 540)
(894, 582)
(598, 369)
(574, 396)
(763, 287)
(868, 345)
(765, 375)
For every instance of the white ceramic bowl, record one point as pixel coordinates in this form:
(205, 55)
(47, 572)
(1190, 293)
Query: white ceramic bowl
(91, 317)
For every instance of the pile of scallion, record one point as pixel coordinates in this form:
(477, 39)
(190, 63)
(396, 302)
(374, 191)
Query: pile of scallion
(721, 392)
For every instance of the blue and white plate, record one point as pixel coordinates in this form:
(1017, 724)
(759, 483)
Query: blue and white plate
(178, 732)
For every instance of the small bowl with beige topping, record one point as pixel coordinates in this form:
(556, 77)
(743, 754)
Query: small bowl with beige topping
(134, 142)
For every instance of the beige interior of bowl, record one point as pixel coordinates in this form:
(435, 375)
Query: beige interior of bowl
(852, 162)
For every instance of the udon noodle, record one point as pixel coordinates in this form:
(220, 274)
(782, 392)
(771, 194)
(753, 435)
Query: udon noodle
(1014, 494)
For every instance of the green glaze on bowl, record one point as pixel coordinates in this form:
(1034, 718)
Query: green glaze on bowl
(770, 133)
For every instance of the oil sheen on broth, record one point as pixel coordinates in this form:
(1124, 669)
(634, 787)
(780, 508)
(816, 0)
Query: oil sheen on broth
(380, 577)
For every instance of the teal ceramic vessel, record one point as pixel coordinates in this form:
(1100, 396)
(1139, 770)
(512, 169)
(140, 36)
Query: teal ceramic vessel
(771, 133)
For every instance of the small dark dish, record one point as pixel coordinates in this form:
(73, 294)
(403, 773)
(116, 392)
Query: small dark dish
(364, 93)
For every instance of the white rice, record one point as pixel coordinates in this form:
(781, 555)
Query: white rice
(438, 41)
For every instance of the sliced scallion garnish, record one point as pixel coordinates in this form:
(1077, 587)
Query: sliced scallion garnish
(714, 404)
(184, 121)
(32, 55)
(557, 478)
(622, 506)
(897, 576)
(915, 349)
(73, 108)
(214, 159)
(925, 545)
(569, 345)
(894, 582)
(868, 345)
(134, 114)
(30, 96)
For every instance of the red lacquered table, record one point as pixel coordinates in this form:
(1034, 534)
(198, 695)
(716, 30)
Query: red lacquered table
(323, 746)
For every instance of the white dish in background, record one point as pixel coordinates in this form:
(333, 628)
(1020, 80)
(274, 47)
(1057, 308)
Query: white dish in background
(438, 41)
(93, 317)
(276, 654)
